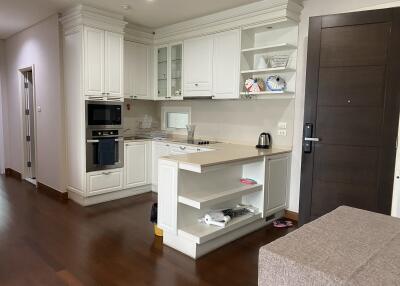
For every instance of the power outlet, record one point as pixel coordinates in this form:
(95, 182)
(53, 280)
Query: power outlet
(282, 125)
(282, 132)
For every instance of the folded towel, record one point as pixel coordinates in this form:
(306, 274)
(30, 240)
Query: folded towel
(107, 151)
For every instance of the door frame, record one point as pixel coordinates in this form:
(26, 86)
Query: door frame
(392, 90)
(22, 114)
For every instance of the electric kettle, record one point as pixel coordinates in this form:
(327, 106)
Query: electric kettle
(264, 141)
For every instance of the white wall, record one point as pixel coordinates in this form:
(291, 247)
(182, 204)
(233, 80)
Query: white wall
(316, 8)
(2, 100)
(38, 45)
(240, 121)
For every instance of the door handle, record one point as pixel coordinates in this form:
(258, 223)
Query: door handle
(311, 139)
(308, 138)
(92, 141)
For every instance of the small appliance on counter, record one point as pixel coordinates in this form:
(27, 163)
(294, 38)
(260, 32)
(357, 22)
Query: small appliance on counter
(264, 141)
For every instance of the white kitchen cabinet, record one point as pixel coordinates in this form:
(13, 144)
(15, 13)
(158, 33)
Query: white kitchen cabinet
(94, 61)
(137, 160)
(103, 63)
(276, 183)
(114, 64)
(212, 66)
(226, 65)
(168, 66)
(137, 62)
(159, 149)
(198, 66)
(102, 182)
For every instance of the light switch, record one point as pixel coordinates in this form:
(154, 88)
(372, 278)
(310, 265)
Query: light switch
(282, 125)
(39, 108)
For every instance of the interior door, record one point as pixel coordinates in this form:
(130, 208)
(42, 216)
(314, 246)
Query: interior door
(351, 112)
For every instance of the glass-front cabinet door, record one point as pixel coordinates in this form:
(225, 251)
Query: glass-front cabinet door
(169, 72)
(176, 71)
(162, 72)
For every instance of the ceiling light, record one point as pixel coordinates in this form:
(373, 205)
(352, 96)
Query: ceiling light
(125, 7)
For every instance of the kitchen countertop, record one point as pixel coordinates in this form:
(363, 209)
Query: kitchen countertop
(221, 153)
(224, 153)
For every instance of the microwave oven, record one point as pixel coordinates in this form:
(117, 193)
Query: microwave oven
(104, 115)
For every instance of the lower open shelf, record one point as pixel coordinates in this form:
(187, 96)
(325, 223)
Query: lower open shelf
(201, 233)
(207, 198)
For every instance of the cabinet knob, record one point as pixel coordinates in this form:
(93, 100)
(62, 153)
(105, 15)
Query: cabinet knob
(182, 147)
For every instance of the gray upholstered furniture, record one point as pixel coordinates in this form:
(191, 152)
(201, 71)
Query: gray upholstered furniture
(345, 247)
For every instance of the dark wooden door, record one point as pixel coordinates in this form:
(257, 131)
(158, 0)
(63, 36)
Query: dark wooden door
(352, 108)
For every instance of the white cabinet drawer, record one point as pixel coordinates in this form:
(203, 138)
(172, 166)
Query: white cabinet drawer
(104, 181)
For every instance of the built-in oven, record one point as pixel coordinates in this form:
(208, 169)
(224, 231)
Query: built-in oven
(103, 115)
(104, 149)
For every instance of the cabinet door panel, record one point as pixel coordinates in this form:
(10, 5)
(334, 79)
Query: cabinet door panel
(197, 61)
(114, 51)
(104, 182)
(136, 164)
(276, 185)
(159, 150)
(141, 71)
(226, 67)
(128, 69)
(94, 61)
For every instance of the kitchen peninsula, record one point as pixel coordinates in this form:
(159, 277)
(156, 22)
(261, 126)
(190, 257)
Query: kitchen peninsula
(191, 185)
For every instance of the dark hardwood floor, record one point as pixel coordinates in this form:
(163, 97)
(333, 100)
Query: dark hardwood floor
(47, 242)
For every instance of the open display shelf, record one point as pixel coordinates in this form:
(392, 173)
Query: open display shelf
(204, 199)
(200, 233)
(269, 48)
(267, 70)
(270, 94)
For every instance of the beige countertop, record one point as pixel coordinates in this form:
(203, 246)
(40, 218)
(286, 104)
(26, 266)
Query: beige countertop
(222, 153)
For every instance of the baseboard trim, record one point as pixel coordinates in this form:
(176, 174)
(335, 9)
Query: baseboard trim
(14, 174)
(291, 215)
(82, 200)
(53, 193)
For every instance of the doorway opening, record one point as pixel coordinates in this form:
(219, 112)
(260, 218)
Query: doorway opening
(29, 124)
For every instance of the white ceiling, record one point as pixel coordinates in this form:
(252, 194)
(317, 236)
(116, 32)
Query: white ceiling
(16, 15)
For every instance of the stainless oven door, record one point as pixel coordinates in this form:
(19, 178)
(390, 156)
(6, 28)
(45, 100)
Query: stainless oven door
(92, 154)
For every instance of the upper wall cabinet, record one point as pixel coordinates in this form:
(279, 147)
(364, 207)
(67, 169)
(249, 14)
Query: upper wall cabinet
(226, 65)
(137, 59)
(168, 66)
(103, 63)
(212, 66)
(198, 59)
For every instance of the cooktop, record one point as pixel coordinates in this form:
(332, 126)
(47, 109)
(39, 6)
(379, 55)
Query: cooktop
(198, 142)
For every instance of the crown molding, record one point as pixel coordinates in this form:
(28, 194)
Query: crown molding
(139, 34)
(266, 12)
(259, 13)
(89, 16)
